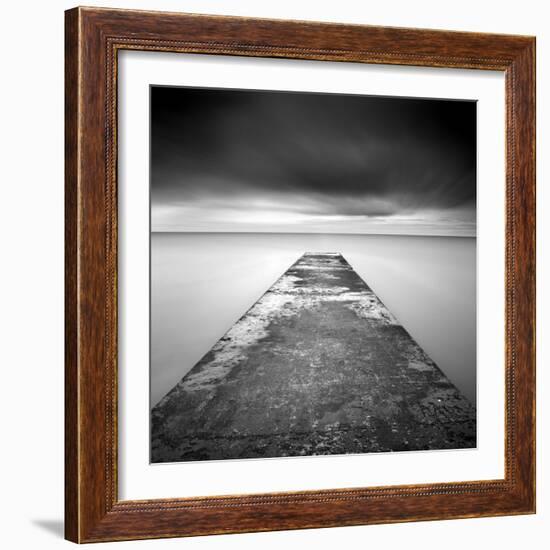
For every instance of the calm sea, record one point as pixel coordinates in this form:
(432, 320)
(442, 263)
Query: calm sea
(203, 282)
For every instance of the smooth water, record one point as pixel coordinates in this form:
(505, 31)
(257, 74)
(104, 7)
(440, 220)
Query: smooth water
(203, 282)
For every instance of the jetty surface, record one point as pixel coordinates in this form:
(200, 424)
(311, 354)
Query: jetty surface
(318, 365)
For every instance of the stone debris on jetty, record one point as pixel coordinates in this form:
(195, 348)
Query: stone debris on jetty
(317, 366)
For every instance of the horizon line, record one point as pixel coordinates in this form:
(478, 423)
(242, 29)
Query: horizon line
(314, 233)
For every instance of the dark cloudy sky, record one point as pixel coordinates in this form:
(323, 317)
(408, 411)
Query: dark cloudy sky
(256, 161)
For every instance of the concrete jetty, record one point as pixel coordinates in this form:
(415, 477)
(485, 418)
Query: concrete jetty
(317, 366)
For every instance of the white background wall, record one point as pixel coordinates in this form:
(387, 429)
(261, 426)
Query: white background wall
(31, 304)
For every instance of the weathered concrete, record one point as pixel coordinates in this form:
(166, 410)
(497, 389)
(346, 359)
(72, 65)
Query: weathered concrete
(317, 366)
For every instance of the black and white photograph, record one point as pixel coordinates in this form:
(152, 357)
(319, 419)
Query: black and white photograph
(313, 274)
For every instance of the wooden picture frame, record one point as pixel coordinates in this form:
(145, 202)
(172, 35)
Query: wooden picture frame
(93, 511)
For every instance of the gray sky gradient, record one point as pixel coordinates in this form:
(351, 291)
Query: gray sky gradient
(256, 161)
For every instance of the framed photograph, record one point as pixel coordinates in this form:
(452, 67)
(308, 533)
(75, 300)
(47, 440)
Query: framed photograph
(300, 275)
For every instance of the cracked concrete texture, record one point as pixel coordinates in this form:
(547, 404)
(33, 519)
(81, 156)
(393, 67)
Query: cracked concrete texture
(317, 366)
